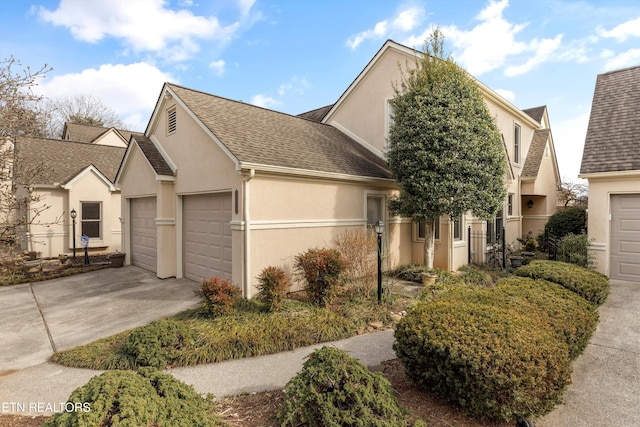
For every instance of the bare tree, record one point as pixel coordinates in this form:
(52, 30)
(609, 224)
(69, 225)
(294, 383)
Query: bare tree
(81, 109)
(20, 107)
(573, 194)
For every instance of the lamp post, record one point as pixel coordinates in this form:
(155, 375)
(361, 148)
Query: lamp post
(74, 214)
(379, 229)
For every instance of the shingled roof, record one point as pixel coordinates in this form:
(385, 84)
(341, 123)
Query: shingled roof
(536, 113)
(158, 163)
(316, 115)
(613, 134)
(87, 133)
(260, 136)
(58, 161)
(536, 151)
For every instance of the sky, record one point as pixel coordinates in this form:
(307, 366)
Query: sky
(297, 55)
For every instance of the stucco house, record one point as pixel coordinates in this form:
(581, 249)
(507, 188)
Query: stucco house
(64, 176)
(217, 187)
(611, 164)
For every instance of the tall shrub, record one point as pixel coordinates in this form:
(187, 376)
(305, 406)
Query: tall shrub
(273, 284)
(570, 220)
(219, 296)
(321, 269)
(358, 248)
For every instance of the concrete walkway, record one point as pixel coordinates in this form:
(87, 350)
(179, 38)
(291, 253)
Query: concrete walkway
(606, 378)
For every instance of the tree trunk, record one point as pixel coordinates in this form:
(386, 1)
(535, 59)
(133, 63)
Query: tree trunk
(429, 243)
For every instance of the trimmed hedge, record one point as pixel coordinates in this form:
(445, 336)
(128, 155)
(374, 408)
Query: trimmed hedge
(129, 399)
(495, 362)
(589, 284)
(568, 315)
(334, 389)
(159, 343)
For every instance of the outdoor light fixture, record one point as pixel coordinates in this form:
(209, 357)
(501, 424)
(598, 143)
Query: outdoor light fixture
(379, 229)
(74, 214)
(530, 204)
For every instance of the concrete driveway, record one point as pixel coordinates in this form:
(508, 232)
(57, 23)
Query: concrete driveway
(39, 318)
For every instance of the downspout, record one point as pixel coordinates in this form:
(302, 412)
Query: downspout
(247, 233)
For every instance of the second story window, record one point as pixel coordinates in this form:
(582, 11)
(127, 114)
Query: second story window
(516, 144)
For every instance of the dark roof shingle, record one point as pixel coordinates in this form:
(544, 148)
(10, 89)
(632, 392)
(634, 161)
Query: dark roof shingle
(158, 163)
(536, 113)
(266, 137)
(612, 141)
(536, 151)
(87, 133)
(57, 162)
(316, 115)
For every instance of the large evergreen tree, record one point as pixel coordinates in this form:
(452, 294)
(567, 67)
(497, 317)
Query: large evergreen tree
(444, 148)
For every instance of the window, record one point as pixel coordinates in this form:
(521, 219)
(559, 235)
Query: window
(91, 219)
(510, 204)
(457, 229)
(421, 230)
(494, 228)
(389, 117)
(375, 209)
(171, 120)
(516, 144)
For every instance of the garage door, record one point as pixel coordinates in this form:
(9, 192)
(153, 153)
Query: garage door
(143, 233)
(207, 236)
(625, 237)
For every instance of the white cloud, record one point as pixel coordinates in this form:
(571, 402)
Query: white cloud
(406, 20)
(218, 67)
(264, 101)
(623, 60)
(623, 31)
(297, 84)
(129, 90)
(544, 49)
(144, 26)
(568, 140)
(509, 95)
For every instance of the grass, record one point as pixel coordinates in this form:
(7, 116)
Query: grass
(249, 331)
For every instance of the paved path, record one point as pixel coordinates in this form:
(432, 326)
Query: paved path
(606, 378)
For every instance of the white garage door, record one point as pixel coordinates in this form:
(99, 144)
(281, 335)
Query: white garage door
(625, 237)
(207, 236)
(143, 233)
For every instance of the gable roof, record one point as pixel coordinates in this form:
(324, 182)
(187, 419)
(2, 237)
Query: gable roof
(155, 158)
(611, 143)
(57, 161)
(536, 113)
(316, 115)
(535, 154)
(87, 133)
(256, 136)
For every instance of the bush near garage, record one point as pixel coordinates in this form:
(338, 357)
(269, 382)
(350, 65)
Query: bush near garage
(494, 362)
(322, 270)
(569, 220)
(589, 284)
(130, 399)
(273, 285)
(219, 296)
(334, 389)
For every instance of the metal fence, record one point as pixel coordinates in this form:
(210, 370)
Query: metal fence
(487, 247)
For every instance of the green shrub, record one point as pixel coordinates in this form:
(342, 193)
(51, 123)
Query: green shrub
(334, 389)
(568, 315)
(569, 220)
(219, 296)
(475, 276)
(528, 242)
(591, 285)
(127, 399)
(273, 284)
(321, 269)
(495, 363)
(574, 249)
(159, 343)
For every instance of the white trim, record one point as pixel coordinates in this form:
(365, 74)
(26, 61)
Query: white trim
(164, 221)
(89, 169)
(306, 223)
(598, 246)
(611, 175)
(317, 174)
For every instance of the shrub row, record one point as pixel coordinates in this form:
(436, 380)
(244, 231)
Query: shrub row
(502, 353)
(589, 284)
(129, 399)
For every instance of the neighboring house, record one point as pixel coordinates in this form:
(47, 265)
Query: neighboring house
(66, 175)
(96, 134)
(217, 187)
(611, 164)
